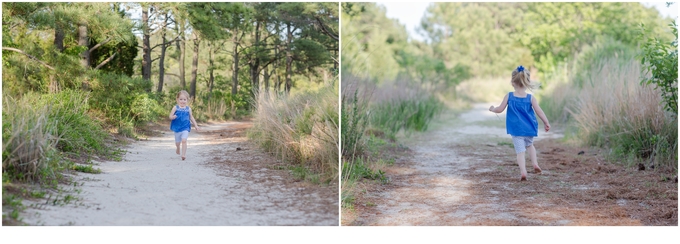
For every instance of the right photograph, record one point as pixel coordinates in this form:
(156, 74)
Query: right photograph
(509, 114)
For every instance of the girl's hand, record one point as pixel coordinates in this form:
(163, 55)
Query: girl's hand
(547, 127)
(197, 129)
(491, 108)
(173, 117)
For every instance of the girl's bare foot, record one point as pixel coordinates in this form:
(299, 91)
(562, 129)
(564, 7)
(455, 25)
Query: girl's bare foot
(524, 178)
(537, 170)
(177, 151)
(183, 158)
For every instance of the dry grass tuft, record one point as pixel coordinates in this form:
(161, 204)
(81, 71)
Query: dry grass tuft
(300, 129)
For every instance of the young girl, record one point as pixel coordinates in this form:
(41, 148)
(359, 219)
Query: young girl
(182, 118)
(520, 120)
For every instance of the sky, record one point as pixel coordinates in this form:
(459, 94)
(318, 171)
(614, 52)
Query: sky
(410, 13)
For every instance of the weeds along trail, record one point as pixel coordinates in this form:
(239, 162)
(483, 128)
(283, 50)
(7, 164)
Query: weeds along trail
(463, 171)
(223, 181)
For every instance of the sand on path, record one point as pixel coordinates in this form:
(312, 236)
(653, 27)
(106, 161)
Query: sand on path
(216, 185)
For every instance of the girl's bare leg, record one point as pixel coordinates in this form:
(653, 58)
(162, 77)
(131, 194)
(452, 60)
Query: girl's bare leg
(184, 149)
(522, 167)
(177, 145)
(532, 154)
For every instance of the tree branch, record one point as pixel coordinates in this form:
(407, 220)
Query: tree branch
(326, 31)
(28, 55)
(100, 44)
(105, 61)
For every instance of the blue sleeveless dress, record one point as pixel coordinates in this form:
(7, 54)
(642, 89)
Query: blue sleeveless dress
(521, 119)
(183, 121)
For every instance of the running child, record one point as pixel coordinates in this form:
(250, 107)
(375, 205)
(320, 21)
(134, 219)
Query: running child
(520, 119)
(182, 118)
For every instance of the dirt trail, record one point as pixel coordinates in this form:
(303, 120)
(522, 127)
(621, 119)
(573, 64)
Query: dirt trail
(216, 185)
(463, 171)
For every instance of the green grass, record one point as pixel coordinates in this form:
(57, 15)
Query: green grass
(86, 169)
(408, 115)
(13, 202)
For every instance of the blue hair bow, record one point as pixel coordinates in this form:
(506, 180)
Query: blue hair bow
(520, 68)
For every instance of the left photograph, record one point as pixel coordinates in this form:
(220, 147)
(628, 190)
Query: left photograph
(170, 114)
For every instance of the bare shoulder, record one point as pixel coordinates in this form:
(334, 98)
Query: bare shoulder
(534, 101)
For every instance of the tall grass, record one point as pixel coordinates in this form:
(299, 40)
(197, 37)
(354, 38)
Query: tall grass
(615, 111)
(301, 130)
(37, 129)
(373, 113)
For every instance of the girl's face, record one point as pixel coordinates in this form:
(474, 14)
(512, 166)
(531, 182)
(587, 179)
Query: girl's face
(182, 100)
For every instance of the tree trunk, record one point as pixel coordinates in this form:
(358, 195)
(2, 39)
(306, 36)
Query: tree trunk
(59, 38)
(255, 63)
(211, 69)
(84, 42)
(289, 58)
(161, 60)
(266, 78)
(146, 47)
(234, 75)
(181, 47)
(194, 68)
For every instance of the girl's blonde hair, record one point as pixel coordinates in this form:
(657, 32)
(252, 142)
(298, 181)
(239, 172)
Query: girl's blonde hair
(183, 92)
(521, 78)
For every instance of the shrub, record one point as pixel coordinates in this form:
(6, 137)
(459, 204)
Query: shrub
(661, 61)
(124, 100)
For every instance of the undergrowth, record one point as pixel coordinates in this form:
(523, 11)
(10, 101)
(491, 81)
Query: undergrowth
(604, 100)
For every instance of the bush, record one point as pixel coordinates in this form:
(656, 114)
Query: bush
(661, 61)
(124, 100)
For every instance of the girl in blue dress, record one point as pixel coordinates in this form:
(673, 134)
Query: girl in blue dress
(520, 119)
(182, 118)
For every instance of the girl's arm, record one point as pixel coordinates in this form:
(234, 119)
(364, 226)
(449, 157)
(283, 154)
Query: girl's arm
(501, 107)
(539, 112)
(172, 113)
(191, 116)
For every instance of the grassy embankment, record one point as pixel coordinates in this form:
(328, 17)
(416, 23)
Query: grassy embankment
(372, 119)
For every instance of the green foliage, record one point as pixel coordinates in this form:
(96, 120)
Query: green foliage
(357, 169)
(13, 202)
(409, 114)
(661, 60)
(370, 41)
(86, 169)
(79, 132)
(353, 123)
(124, 100)
(493, 38)
(124, 60)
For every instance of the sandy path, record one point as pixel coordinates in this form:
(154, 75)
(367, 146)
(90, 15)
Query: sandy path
(463, 172)
(216, 185)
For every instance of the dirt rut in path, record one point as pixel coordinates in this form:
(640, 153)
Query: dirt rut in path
(463, 171)
(216, 185)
